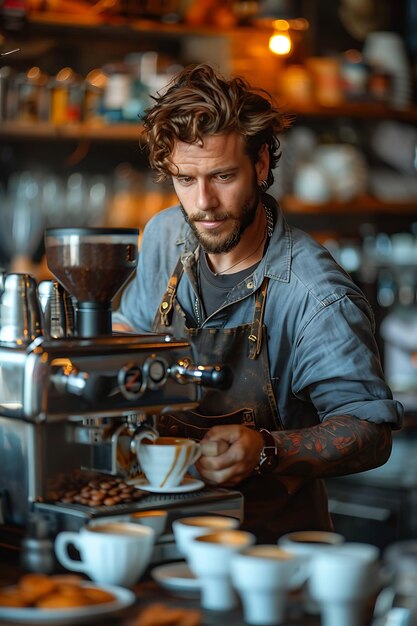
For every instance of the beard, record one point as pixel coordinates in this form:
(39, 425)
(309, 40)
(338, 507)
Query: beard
(216, 244)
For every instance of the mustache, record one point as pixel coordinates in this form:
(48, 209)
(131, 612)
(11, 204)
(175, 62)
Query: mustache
(205, 216)
(208, 217)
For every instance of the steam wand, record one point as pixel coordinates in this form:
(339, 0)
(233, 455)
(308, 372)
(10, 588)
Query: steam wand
(215, 376)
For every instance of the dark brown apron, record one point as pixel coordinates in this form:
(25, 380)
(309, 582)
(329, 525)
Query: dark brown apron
(273, 504)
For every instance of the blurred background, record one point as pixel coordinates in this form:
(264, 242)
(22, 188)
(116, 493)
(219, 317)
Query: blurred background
(76, 76)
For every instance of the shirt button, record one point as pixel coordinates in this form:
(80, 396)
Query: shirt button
(249, 285)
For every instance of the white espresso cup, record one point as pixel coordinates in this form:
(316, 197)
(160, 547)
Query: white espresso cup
(186, 528)
(309, 543)
(116, 553)
(154, 518)
(165, 460)
(209, 558)
(342, 581)
(263, 575)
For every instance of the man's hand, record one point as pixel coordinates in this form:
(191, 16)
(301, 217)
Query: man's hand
(340, 445)
(237, 462)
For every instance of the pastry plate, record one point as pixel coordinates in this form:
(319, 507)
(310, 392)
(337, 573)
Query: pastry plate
(188, 484)
(80, 614)
(176, 576)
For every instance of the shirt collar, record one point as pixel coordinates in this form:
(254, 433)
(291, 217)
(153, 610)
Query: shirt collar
(276, 263)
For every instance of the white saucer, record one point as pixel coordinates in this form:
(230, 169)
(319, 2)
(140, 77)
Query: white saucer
(188, 484)
(176, 576)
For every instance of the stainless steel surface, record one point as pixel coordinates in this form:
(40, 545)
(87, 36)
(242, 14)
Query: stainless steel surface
(118, 375)
(20, 315)
(71, 408)
(68, 428)
(57, 310)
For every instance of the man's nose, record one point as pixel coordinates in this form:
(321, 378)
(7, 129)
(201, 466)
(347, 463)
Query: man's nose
(206, 198)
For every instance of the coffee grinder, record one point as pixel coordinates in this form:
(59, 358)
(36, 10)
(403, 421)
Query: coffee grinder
(70, 408)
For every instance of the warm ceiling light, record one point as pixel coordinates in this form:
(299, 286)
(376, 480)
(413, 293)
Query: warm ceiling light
(281, 25)
(300, 23)
(280, 43)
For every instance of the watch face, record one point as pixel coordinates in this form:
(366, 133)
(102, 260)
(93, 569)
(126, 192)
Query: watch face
(268, 464)
(268, 459)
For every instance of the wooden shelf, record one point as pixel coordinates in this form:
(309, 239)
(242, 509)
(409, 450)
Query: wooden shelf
(72, 131)
(365, 204)
(130, 27)
(115, 22)
(365, 110)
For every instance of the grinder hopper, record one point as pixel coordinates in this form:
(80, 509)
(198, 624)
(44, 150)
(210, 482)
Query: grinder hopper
(92, 264)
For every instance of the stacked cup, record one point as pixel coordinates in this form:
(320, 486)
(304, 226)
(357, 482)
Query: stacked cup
(209, 560)
(340, 577)
(227, 565)
(263, 575)
(342, 582)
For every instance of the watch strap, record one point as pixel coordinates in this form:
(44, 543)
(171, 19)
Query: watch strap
(268, 458)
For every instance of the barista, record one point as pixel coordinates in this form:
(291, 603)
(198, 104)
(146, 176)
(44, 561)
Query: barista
(225, 270)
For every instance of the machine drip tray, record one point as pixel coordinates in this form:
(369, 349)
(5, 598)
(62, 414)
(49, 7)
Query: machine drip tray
(214, 499)
(209, 500)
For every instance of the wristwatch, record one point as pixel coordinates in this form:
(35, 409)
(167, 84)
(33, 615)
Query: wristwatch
(268, 458)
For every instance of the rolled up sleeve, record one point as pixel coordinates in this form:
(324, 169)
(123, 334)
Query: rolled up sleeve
(337, 366)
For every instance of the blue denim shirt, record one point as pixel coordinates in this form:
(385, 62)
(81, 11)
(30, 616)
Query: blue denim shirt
(320, 328)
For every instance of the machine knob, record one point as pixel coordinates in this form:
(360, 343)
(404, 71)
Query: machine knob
(214, 376)
(131, 381)
(156, 370)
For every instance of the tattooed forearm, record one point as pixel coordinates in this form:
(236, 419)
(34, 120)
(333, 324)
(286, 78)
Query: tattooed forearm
(340, 445)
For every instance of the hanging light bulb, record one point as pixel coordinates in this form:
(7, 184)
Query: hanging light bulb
(286, 34)
(280, 42)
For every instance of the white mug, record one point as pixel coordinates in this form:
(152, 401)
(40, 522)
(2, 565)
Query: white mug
(309, 543)
(154, 518)
(165, 460)
(209, 558)
(263, 575)
(186, 528)
(116, 553)
(342, 581)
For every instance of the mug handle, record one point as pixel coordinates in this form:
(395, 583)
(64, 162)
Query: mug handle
(62, 541)
(210, 447)
(196, 453)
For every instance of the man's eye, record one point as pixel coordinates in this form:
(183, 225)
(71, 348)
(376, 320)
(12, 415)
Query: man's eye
(185, 180)
(224, 177)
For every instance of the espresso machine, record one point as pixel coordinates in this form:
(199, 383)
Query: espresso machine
(74, 395)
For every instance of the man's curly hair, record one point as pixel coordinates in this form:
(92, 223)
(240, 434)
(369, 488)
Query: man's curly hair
(200, 102)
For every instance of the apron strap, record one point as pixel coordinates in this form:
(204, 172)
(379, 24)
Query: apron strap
(255, 337)
(167, 302)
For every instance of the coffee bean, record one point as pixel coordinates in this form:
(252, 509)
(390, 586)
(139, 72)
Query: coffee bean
(98, 492)
(111, 501)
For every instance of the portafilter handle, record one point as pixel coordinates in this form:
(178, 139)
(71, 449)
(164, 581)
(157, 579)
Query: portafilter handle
(214, 376)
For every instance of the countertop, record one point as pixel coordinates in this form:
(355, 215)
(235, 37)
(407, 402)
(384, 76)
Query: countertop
(148, 593)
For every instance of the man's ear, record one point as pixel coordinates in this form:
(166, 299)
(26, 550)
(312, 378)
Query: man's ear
(262, 164)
